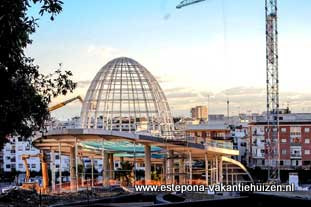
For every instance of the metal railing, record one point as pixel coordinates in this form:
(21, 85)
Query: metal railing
(219, 144)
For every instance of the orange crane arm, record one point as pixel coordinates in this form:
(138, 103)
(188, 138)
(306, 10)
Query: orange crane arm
(57, 106)
(43, 168)
(24, 158)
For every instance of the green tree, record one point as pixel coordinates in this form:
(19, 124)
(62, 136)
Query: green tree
(25, 93)
(124, 172)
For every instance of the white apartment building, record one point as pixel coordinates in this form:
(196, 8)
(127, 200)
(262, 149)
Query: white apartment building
(12, 157)
(13, 151)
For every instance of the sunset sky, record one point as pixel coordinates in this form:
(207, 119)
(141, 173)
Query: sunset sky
(214, 48)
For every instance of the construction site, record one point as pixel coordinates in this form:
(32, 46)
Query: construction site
(126, 128)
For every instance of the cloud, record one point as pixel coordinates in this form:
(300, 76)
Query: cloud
(238, 91)
(181, 95)
(84, 83)
(241, 100)
(104, 53)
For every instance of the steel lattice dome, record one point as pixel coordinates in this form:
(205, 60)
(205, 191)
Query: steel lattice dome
(124, 96)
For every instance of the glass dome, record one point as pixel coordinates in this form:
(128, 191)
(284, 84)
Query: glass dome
(124, 96)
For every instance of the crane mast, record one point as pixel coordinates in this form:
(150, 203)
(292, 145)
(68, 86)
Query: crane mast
(272, 130)
(272, 86)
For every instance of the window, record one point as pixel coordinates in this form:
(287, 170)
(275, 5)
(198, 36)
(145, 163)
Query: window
(307, 129)
(20, 166)
(295, 140)
(307, 141)
(283, 140)
(287, 162)
(283, 129)
(33, 165)
(307, 152)
(243, 144)
(57, 157)
(294, 162)
(295, 131)
(283, 151)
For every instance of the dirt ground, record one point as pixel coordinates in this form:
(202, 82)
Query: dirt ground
(26, 198)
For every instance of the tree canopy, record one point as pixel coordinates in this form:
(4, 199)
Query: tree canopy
(25, 93)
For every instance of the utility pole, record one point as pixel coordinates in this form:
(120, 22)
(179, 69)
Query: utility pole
(228, 111)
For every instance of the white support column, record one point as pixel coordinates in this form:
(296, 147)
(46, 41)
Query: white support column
(206, 169)
(169, 166)
(92, 171)
(227, 176)
(106, 169)
(76, 164)
(164, 170)
(83, 172)
(232, 179)
(216, 170)
(111, 166)
(134, 163)
(72, 169)
(190, 168)
(212, 171)
(181, 170)
(121, 177)
(220, 170)
(103, 166)
(147, 164)
(53, 170)
(60, 167)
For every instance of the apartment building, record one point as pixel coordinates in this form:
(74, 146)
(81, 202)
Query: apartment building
(199, 112)
(294, 140)
(214, 129)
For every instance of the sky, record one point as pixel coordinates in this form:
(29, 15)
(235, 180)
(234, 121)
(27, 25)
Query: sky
(214, 49)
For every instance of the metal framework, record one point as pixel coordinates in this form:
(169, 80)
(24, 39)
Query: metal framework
(124, 96)
(272, 144)
(187, 3)
(272, 84)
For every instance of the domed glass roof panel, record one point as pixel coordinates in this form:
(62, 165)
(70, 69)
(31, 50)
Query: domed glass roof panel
(124, 96)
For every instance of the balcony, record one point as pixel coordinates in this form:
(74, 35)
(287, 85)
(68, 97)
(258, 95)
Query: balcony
(295, 155)
(295, 141)
(258, 155)
(258, 133)
(295, 134)
(219, 144)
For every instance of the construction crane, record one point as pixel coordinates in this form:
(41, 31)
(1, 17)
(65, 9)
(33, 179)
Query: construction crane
(272, 72)
(45, 179)
(44, 167)
(272, 87)
(57, 106)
